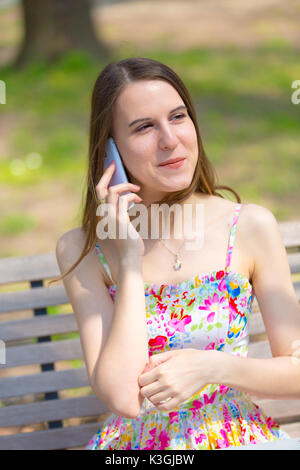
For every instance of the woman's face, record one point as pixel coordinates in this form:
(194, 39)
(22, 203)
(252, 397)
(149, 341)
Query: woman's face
(162, 132)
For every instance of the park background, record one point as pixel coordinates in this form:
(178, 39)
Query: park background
(238, 59)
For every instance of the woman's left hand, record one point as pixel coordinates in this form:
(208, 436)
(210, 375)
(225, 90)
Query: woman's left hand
(178, 375)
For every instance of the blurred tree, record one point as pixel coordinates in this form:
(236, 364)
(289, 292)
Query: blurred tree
(54, 27)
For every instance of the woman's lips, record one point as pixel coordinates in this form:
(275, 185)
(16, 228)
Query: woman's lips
(173, 166)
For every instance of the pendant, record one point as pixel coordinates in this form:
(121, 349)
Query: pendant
(177, 264)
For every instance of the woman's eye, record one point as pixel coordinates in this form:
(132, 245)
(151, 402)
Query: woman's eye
(180, 115)
(143, 127)
(147, 125)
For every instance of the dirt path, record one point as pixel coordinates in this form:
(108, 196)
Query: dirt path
(192, 23)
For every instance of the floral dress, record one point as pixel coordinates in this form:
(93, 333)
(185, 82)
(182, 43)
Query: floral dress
(207, 312)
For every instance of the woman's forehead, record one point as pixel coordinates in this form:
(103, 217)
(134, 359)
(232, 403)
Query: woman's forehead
(139, 99)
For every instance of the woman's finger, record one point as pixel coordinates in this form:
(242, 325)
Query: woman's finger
(102, 186)
(168, 405)
(160, 398)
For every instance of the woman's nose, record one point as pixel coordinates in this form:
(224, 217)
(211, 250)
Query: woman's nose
(168, 138)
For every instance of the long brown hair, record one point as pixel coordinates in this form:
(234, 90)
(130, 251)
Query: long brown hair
(109, 84)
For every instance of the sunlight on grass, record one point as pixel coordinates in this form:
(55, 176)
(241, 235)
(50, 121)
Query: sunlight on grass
(76, 392)
(57, 309)
(63, 336)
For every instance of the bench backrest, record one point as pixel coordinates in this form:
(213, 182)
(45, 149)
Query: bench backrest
(46, 401)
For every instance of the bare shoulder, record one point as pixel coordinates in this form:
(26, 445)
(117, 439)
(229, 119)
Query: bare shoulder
(69, 245)
(257, 220)
(260, 229)
(75, 235)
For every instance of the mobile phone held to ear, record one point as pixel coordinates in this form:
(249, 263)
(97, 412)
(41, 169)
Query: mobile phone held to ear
(119, 175)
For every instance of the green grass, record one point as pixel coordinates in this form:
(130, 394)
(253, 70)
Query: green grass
(15, 224)
(51, 103)
(243, 101)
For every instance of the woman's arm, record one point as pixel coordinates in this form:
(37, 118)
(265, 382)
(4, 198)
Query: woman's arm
(113, 336)
(275, 378)
(125, 353)
(279, 376)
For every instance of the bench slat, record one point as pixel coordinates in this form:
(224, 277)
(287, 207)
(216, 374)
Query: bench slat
(42, 353)
(38, 297)
(42, 325)
(294, 262)
(290, 231)
(62, 438)
(51, 410)
(28, 268)
(297, 289)
(49, 381)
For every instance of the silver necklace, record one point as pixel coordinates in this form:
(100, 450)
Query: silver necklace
(177, 264)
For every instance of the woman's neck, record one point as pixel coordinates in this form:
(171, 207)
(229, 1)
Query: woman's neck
(162, 223)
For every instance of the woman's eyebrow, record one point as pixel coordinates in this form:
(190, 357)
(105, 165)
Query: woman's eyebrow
(147, 118)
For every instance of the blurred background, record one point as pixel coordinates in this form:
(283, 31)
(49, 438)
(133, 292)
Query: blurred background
(238, 59)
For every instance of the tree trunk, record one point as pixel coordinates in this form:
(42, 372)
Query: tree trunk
(54, 27)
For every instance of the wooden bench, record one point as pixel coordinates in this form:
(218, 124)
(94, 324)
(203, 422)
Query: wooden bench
(46, 401)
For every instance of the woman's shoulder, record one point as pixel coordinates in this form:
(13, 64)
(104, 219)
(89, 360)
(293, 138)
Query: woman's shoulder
(74, 238)
(70, 245)
(251, 214)
(256, 220)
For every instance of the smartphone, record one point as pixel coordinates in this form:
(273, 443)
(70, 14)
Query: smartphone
(119, 175)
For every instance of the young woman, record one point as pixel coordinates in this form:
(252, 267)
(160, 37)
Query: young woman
(165, 329)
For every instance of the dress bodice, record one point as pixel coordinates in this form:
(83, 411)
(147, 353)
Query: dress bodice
(208, 312)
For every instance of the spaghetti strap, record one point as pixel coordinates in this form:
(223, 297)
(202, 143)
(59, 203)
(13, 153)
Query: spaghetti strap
(232, 236)
(105, 264)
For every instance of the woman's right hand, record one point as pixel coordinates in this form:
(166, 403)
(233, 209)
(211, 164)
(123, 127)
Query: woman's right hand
(126, 246)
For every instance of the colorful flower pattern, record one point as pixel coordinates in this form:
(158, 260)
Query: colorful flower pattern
(207, 312)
